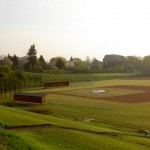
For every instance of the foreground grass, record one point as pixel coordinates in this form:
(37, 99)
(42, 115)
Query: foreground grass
(10, 140)
(62, 139)
(20, 118)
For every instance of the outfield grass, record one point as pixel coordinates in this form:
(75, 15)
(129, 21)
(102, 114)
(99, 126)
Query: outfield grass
(72, 107)
(93, 85)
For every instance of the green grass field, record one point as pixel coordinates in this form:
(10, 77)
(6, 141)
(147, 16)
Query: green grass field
(73, 122)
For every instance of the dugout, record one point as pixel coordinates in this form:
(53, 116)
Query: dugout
(30, 97)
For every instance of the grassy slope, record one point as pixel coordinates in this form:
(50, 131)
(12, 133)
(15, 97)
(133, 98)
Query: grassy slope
(107, 115)
(61, 139)
(20, 117)
(50, 137)
(79, 77)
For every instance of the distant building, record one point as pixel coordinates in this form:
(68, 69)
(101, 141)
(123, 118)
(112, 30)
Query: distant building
(113, 60)
(70, 63)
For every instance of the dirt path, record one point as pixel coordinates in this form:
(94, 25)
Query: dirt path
(30, 127)
(27, 127)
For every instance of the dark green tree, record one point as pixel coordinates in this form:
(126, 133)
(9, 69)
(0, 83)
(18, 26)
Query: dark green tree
(42, 62)
(5, 71)
(9, 57)
(60, 63)
(15, 61)
(20, 75)
(32, 61)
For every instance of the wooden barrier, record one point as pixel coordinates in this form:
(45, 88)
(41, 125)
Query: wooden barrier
(30, 97)
(56, 84)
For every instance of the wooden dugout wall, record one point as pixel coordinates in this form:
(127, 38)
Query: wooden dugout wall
(30, 97)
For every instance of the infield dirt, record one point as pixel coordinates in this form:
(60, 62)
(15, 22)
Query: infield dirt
(131, 98)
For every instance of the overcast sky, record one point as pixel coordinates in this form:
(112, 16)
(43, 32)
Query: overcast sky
(77, 28)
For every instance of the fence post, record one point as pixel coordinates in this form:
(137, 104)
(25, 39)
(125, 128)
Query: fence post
(5, 84)
(1, 88)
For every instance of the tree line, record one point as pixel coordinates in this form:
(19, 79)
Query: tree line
(110, 63)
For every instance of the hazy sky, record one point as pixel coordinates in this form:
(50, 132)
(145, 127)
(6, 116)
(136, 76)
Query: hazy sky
(77, 28)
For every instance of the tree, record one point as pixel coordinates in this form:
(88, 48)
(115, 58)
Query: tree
(60, 63)
(88, 62)
(96, 65)
(42, 62)
(32, 62)
(7, 61)
(146, 63)
(15, 60)
(5, 71)
(20, 75)
(10, 57)
(52, 62)
(133, 63)
(80, 66)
